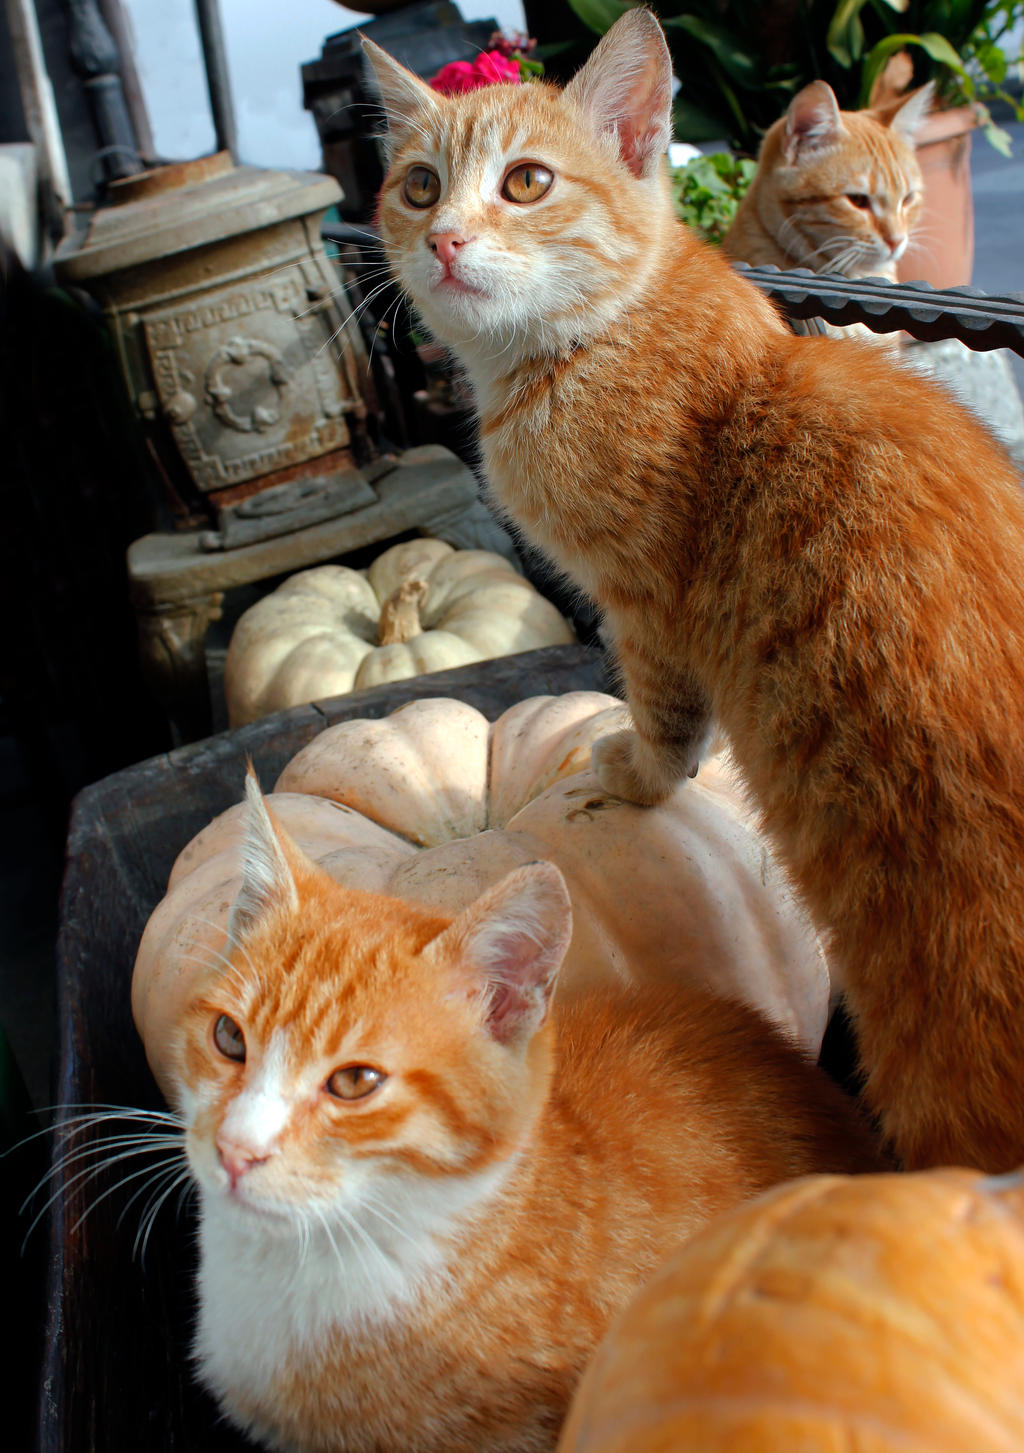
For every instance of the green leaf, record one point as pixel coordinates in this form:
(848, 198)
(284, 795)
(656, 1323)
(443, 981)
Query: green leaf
(691, 122)
(1000, 139)
(600, 15)
(738, 64)
(934, 45)
(845, 36)
(993, 62)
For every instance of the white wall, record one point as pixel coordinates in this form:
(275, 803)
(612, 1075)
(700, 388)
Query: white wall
(267, 41)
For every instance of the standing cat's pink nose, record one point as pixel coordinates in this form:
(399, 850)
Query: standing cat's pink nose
(445, 245)
(237, 1159)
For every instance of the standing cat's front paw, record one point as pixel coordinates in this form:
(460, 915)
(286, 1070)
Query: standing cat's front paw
(628, 768)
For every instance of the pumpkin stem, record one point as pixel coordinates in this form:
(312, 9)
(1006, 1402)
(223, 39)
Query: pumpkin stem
(400, 613)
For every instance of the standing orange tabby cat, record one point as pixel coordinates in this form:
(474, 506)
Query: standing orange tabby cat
(422, 1195)
(790, 534)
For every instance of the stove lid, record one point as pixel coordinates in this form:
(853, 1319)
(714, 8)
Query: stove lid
(191, 204)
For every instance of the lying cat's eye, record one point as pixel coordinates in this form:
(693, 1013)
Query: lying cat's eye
(422, 187)
(527, 183)
(355, 1082)
(228, 1038)
(859, 199)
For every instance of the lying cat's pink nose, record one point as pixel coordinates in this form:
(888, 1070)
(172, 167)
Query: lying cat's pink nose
(445, 245)
(237, 1159)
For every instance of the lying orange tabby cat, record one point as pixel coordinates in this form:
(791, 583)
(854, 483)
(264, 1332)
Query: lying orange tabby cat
(423, 1196)
(791, 534)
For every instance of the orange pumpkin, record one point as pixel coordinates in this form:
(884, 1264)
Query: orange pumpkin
(834, 1314)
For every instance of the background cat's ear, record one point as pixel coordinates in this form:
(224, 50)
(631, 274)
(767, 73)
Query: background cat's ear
(907, 115)
(626, 88)
(512, 941)
(813, 122)
(267, 880)
(402, 92)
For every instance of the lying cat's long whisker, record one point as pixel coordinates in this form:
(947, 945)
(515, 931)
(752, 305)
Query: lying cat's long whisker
(174, 1168)
(78, 1179)
(327, 1230)
(184, 1180)
(97, 1150)
(72, 1125)
(148, 1170)
(372, 1206)
(353, 1221)
(100, 1158)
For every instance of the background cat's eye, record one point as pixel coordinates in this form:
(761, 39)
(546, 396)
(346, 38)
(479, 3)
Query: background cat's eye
(355, 1082)
(859, 199)
(228, 1038)
(422, 187)
(527, 183)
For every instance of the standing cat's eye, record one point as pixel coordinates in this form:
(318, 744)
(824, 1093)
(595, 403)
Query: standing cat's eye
(355, 1082)
(527, 183)
(228, 1038)
(859, 199)
(422, 187)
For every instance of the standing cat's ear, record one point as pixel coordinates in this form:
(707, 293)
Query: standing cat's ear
(626, 88)
(267, 880)
(512, 941)
(907, 115)
(403, 94)
(813, 122)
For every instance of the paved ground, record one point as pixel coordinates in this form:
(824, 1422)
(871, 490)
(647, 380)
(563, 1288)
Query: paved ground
(998, 186)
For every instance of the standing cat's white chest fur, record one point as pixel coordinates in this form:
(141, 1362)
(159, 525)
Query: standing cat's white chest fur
(518, 487)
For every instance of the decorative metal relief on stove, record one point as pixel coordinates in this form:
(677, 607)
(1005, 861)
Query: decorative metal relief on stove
(246, 379)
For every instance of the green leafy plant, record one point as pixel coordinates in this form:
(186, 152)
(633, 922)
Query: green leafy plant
(708, 189)
(739, 63)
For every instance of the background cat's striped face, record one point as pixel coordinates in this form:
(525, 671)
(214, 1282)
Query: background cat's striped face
(854, 206)
(510, 221)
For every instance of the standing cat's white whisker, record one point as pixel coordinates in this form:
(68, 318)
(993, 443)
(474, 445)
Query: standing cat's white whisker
(380, 327)
(355, 313)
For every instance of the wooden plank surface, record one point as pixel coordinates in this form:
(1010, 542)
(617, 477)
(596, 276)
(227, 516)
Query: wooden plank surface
(116, 1374)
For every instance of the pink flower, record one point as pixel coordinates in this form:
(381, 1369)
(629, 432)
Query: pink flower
(486, 70)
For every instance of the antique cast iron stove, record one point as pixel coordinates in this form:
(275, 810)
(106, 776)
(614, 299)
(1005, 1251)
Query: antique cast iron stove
(252, 388)
(230, 327)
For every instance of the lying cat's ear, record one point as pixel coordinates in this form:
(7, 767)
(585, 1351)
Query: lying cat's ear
(813, 122)
(402, 92)
(626, 88)
(907, 115)
(510, 945)
(267, 880)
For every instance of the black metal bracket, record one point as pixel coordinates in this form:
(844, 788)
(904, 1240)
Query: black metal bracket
(980, 320)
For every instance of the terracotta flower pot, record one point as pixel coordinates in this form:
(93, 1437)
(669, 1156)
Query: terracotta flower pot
(943, 255)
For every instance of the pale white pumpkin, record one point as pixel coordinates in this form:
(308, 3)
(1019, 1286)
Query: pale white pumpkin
(421, 606)
(434, 804)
